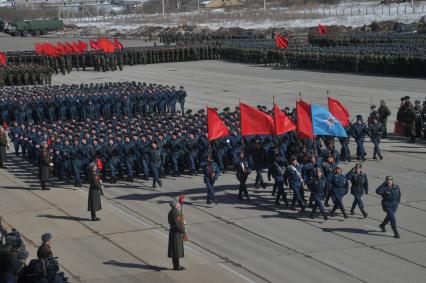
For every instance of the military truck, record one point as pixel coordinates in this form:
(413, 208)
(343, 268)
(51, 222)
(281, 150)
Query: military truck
(33, 27)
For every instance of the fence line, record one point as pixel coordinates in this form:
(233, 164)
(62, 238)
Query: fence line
(303, 13)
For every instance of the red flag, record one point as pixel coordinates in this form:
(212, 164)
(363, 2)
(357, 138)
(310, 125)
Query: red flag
(76, 47)
(82, 46)
(51, 50)
(3, 59)
(61, 48)
(339, 111)
(283, 123)
(304, 120)
(322, 29)
(5, 125)
(254, 121)
(99, 164)
(216, 127)
(281, 41)
(106, 45)
(181, 198)
(39, 48)
(94, 45)
(118, 44)
(69, 47)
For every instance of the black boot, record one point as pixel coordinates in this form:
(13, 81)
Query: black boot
(325, 216)
(365, 214)
(382, 227)
(395, 233)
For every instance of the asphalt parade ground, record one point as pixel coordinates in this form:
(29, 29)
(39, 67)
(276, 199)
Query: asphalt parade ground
(234, 241)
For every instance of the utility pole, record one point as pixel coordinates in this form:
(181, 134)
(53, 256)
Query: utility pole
(264, 6)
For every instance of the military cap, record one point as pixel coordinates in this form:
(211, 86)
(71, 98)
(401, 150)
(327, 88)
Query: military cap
(293, 158)
(359, 117)
(173, 203)
(359, 165)
(91, 166)
(389, 178)
(46, 237)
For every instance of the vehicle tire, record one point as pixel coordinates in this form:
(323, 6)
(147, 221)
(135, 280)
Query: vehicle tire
(24, 33)
(37, 33)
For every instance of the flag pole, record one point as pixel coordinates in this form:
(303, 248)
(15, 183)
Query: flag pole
(241, 126)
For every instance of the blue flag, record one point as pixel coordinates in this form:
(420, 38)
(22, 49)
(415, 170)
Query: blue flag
(325, 124)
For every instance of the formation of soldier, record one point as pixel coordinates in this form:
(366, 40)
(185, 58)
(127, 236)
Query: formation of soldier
(112, 61)
(210, 36)
(13, 256)
(88, 101)
(25, 74)
(347, 59)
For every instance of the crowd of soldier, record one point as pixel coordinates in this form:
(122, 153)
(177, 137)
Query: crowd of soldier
(88, 101)
(330, 60)
(24, 74)
(181, 141)
(111, 61)
(13, 257)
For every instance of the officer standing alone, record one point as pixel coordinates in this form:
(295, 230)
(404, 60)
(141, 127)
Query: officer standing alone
(44, 165)
(176, 235)
(95, 191)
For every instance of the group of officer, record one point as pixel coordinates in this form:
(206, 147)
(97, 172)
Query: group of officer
(81, 102)
(25, 74)
(13, 256)
(413, 117)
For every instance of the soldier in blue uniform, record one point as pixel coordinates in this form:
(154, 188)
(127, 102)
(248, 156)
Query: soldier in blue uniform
(317, 186)
(359, 186)
(359, 130)
(111, 157)
(258, 154)
(278, 175)
(76, 155)
(211, 174)
(154, 164)
(375, 131)
(242, 173)
(391, 196)
(129, 156)
(293, 179)
(339, 186)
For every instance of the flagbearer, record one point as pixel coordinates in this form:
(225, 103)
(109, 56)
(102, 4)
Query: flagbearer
(243, 171)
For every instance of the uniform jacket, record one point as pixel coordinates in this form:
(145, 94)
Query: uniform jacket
(390, 196)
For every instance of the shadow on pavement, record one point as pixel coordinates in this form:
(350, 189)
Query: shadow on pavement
(64, 217)
(135, 265)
